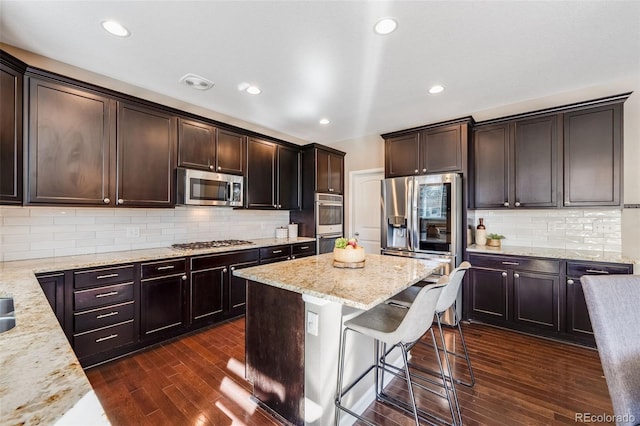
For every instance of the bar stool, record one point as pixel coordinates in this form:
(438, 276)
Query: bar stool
(397, 326)
(446, 301)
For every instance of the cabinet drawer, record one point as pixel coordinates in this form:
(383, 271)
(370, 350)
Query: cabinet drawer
(275, 252)
(104, 339)
(95, 277)
(578, 269)
(516, 263)
(102, 317)
(303, 249)
(102, 296)
(163, 268)
(214, 261)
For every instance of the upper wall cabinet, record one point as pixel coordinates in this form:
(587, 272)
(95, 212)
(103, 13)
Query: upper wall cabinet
(593, 156)
(205, 147)
(515, 164)
(329, 171)
(146, 145)
(273, 175)
(438, 148)
(11, 77)
(71, 145)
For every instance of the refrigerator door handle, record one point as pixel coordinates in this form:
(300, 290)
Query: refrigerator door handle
(409, 212)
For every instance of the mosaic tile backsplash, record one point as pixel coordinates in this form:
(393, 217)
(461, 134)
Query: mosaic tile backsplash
(37, 232)
(598, 230)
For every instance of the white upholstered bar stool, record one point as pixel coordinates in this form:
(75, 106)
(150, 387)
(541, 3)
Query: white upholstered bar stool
(396, 326)
(447, 300)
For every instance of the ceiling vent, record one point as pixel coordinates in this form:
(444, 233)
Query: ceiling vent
(196, 82)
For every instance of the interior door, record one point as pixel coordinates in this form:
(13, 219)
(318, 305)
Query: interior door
(364, 223)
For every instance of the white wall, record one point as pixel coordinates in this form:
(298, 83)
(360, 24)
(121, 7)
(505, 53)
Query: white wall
(36, 232)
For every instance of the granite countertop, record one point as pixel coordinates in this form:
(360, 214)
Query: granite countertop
(554, 253)
(362, 288)
(41, 380)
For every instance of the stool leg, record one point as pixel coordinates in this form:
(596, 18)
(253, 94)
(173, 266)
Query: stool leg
(443, 376)
(340, 377)
(466, 353)
(446, 359)
(409, 383)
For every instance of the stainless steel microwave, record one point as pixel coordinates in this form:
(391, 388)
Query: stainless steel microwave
(196, 187)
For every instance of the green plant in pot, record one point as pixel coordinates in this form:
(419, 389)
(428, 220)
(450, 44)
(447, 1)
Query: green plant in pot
(494, 240)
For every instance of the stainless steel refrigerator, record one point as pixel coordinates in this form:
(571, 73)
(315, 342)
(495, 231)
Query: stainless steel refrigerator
(422, 218)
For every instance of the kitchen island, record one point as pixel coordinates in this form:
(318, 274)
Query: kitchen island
(295, 312)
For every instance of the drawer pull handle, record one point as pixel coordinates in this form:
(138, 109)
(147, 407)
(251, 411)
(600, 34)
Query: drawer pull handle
(102, 339)
(111, 293)
(164, 268)
(510, 263)
(304, 248)
(276, 251)
(102, 277)
(597, 271)
(110, 314)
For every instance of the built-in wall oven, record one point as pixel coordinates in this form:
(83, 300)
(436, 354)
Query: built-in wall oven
(329, 211)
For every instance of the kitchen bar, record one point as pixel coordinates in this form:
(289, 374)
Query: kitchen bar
(294, 316)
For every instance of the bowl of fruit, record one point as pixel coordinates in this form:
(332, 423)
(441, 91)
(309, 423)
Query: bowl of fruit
(347, 253)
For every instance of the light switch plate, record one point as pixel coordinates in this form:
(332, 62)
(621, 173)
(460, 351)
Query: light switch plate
(312, 323)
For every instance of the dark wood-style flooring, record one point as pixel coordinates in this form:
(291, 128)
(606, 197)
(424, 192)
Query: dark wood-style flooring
(198, 380)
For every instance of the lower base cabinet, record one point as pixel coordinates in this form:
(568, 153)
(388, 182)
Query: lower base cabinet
(534, 295)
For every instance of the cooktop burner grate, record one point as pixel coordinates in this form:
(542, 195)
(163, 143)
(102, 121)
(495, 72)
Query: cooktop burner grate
(210, 244)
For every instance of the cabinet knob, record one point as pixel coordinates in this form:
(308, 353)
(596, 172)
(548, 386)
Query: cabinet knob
(219, 168)
(506, 204)
(210, 167)
(416, 171)
(233, 268)
(504, 274)
(106, 201)
(424, 170)
(330, 189)
(516, 275)
(184, 278)
(224, 270)
(569, 281)
(120, 201)
(288, 257)
(293, 257)
(517, 203)
(279, 206)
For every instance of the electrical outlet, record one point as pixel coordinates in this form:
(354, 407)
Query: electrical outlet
(133, 232)
(312, 323)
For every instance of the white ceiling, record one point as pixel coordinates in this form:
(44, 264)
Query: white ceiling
(315, 59)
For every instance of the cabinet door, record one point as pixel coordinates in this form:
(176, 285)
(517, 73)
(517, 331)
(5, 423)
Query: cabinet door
(441, 150)
(162, 306)
(489, 294)
(261, 174)
(10, 136)
(323, 175)
(592, 156)
(238, 289)
(146, 144)
(578, 321)
(207, 294)
(490, 166)
(402, 155)
(196, 145)
(53, 289)
(535, 163)
(536, 300)
(69, 145)
(336, 173)
(230, 152)
(288, 178)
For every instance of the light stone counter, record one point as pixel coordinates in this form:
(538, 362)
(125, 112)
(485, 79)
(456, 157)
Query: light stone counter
(41, 379)
(363, 288)
(591, 256)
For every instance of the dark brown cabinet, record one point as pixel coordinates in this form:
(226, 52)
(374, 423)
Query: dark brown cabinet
(330, 172)
(71, 144)
(515, 164)
(163, 295)
(11, 78)
(437, 148)
(577, 315)
(53, 289)
(146, 152)
(593, 156)
(273, 175)
(205, 147)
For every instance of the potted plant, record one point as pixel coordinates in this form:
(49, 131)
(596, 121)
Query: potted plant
(494, 240)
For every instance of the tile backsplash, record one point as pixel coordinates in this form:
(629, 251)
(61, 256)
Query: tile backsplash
(573, 229)
(36, 232)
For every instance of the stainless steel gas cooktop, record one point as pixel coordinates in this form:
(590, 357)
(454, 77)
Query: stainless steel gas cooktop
(210, 244)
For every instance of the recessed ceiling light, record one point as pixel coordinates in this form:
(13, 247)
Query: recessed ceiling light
(324, 121)
(385, 26)
(436, 89)
(196, 82)
(115, 28)
(253, 90)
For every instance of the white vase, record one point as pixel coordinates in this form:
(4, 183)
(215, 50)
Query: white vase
(481, 237)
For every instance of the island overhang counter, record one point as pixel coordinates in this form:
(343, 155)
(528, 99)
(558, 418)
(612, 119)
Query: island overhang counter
(295, 314)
